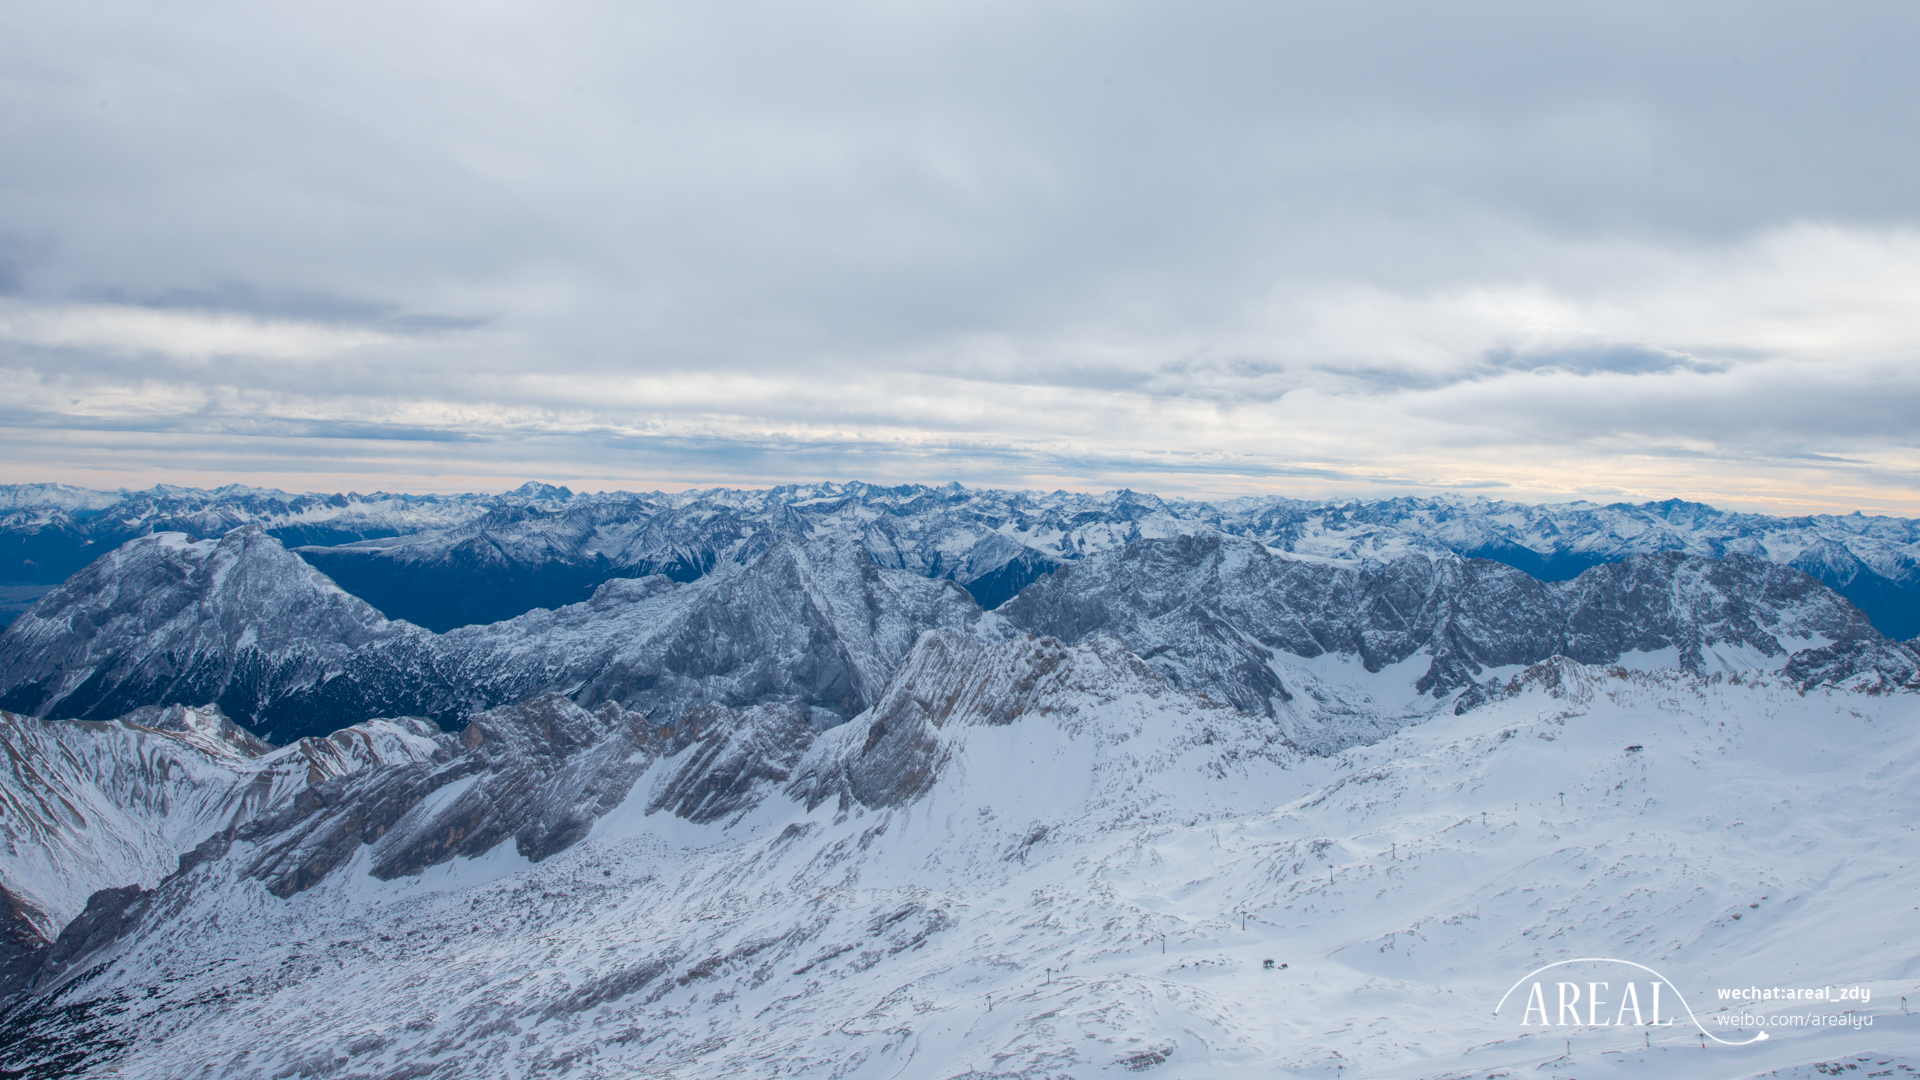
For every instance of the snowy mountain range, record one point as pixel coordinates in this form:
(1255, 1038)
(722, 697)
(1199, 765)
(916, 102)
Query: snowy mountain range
(1337, 655)
(242, 623)
(807, 806)
(1028, 860)
(447, 561)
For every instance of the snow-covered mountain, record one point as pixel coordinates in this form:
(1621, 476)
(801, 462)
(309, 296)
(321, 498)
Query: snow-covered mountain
(91, 806)
(814, 812)
(49, 531)
(237, 621)
(1345, 655)
(816, 624)
(446, 561)
(242, 623)
(996, 542)
(1032, 859)
(1340, 655)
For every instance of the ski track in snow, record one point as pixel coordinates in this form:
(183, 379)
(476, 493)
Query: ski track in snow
(1067, 898)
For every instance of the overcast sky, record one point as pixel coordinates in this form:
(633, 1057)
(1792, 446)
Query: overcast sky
(1529, 250)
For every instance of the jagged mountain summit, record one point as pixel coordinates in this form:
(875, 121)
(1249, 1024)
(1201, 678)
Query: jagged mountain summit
(243, 623)
(237, 621)
(48, 532)
(1026, 859)
(683, 828)
(446, 561)
(1337, 655)
(984, 739)
(1344, 655)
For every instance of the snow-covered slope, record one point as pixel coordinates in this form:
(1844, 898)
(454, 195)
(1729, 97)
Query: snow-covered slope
(243, 623)
(1035, 859)
(90, 806)
(86, 806)
(237, 621)
(1113, 735)
(1342, 656)
(813, 623)
(445, 561)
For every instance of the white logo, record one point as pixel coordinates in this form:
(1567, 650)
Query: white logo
(1601, 1004)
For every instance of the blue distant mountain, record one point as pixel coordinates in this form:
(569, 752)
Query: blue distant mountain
(443, 561)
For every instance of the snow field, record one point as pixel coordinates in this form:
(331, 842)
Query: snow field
(1057, 856)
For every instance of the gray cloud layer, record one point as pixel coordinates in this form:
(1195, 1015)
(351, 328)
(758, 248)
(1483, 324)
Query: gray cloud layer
(1548, 250)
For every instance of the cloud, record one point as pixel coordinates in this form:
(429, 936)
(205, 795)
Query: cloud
(124, 330)
(1218, 248)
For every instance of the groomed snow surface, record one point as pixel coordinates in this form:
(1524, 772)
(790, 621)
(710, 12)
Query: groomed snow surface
(1091, 886)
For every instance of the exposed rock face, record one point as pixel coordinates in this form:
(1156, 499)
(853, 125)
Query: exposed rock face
(243, 623)
(83, 856)
(522, 556)
(686, 737)
(1224, 615)
(88, 806)
(719, 687)
(897, 751)
(999, 804)
(22, 943)
(724, 761)
(946, 679)
(818, 625)
(538, 774)
(446, 561)
(238, 621)
(1859, 664)
(815, 624)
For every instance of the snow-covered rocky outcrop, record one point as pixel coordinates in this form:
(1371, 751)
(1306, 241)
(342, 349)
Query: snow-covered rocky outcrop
(1038, 859)
(241, 622)
(1090, 723)
(816, 624)
(86, 806)
(798, 806)
(1345, 655)
(995, 542)
(446, 561)
(1337, 654)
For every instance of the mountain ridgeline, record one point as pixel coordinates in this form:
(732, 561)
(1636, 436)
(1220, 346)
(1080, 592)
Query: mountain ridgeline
(242, 623)
(800, 753)
(1057, 825)
(1334, 654)
(446, 561)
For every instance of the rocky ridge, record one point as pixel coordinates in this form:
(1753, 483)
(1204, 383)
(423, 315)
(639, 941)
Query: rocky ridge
(446, 561)
(1338, 655)
(1082, 876)
(91, 806)
(1345, 655)
(388, 799)
(243, 623)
